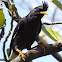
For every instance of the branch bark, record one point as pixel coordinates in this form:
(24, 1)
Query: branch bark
(39, 52)
(56, 55)
(8, 5)
(53, 23)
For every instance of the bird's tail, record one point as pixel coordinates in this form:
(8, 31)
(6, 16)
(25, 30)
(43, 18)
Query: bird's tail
(12, 55)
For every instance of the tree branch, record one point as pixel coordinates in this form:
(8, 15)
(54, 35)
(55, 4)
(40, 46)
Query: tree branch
(8, 36)
(57, 56)
(8, 5)
(53, 23)
(39, 52)
(2, 59)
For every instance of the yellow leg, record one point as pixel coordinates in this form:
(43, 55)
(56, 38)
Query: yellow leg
(21, 53)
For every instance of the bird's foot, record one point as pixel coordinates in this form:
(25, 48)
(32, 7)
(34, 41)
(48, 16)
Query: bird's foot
(21, 53)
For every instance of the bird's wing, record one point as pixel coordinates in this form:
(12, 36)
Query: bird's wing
(18, 28)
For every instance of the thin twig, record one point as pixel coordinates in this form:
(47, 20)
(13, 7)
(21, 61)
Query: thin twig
(7, 37)
(4, 42)
(2, 33)
(2, 59)
(4, 45)
(15, 13)
(2, 28)
(53, 23)
(1, 3)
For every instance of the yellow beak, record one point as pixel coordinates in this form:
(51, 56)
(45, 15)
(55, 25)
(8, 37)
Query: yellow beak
(43, 12)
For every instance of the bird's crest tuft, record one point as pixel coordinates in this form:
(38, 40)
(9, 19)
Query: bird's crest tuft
(45, 5)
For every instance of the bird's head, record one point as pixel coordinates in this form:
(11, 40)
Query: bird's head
(39, 11)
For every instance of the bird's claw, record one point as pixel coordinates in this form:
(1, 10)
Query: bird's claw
(21, 53)
(23, 57)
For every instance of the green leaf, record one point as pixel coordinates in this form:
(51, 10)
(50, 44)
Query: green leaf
(30, 61)
(2, 18)
(8, 51)
(50, 33)
(6, 9)
(58, 4)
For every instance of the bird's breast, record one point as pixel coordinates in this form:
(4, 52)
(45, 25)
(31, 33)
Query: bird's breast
(33, 28)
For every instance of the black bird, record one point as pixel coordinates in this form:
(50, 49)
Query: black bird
(27, 30)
